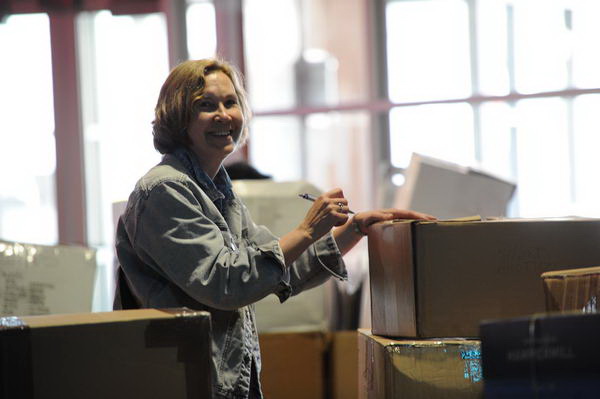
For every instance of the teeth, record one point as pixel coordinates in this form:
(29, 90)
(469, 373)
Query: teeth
(225, 133)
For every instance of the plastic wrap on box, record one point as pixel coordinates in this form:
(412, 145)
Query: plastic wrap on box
(576, 289)
(40, 279)
(419, 369)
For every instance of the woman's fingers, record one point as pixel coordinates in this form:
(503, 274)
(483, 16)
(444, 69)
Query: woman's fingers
(334, 193)
(336, 202)
(408, 214)
(329, 209)
(366, 219)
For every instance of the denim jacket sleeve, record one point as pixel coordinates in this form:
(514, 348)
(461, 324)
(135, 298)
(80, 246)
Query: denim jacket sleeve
(173, 233)
(315, 266)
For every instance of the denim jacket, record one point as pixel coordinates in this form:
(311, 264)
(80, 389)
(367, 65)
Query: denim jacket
(176, 248)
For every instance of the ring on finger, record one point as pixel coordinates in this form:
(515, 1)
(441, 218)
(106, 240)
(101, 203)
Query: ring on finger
(341, 207)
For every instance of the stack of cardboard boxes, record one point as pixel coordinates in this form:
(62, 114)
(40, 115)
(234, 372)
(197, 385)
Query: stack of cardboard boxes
(433, 283)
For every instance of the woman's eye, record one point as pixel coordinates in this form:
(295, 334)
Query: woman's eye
(230, 103)
(206, 104)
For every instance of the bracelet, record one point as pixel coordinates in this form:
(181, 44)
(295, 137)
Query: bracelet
(357, 229)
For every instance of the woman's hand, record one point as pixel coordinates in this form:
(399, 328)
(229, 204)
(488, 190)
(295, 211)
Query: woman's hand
(352, 232)
(328, 210)
(364, 220)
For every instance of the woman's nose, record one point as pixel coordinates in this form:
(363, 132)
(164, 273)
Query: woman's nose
(222, 114)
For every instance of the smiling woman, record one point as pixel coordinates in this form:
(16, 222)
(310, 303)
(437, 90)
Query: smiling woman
(186, 239)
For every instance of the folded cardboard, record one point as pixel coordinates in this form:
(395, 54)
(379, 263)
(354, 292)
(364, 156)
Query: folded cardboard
(576, 289)
(122, 355)
(424, 369)
(43, 279)
(293, 365)
(542, 356)
(449, 190)
(440, 279)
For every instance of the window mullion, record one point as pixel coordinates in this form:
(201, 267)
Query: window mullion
(381, 164)
(570, 116)
(473, 44)
(70, 181)
(174, 11)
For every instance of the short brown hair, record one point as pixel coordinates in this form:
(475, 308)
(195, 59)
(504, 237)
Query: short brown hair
(174, 109)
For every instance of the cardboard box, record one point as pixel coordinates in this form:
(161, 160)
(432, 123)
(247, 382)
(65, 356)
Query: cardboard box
(293, 365)
(448, 190)
(309, 365)
(425, 369)
(542, 356)
(43, 279)
(576, 289)
(121, 355)
(343, 363)
(440, 279)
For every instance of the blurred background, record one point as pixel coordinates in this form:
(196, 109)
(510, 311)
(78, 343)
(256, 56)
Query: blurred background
(343, 93)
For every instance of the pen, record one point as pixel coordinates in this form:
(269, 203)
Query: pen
(312, 198)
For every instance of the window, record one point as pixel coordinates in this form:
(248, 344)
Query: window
(124, 61)
(586, 142)
(443, 131)
(27, 149)
(500, 84)
(273, 46)
(302, 75)
(280, 138)
(201, 30)
(434, 37)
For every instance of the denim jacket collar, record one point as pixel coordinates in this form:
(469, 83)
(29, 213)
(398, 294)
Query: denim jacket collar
(219, 190)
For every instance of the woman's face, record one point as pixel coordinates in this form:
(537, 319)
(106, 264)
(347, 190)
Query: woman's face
(218, 123)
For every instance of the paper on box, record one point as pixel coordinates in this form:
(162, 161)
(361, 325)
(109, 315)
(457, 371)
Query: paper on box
(42, 279)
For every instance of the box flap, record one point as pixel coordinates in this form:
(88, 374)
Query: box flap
(99, 317)
(431, 342)
(584, 271)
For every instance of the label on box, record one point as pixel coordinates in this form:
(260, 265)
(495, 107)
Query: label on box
(37, 279)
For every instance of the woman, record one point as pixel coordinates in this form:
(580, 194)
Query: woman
(186, 239)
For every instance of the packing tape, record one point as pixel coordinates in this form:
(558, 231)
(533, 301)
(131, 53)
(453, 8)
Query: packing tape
(186, 332)
(533, 331)
(16, 373)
